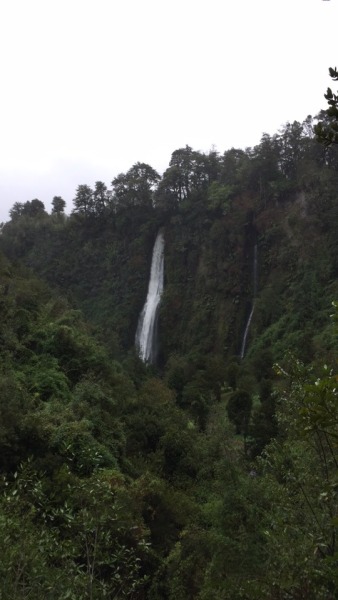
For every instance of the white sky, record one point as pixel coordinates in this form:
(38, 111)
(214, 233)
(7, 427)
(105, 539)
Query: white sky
(89, 87)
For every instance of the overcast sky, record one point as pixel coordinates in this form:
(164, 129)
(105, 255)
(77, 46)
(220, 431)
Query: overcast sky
(89, 87)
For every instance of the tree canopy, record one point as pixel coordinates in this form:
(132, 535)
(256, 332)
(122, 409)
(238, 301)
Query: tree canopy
(213, 473)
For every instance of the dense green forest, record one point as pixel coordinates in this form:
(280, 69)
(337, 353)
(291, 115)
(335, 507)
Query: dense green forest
(213, 473)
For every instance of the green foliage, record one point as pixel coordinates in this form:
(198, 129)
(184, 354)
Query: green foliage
(34, 208)
(83, 201)
(263, 426)
(135, 188)
(88, 545)
(58, 205)
(302, 470)
(239, 410)
(214, 209)
(327, 129)
(219, 196)
(134, 483)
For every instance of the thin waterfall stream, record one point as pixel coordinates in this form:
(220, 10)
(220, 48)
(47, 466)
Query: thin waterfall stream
(146, 334)
(248, 323)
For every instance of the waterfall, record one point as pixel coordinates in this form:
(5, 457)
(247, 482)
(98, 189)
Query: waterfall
(246, 331)
(247, 327)
(145, 339)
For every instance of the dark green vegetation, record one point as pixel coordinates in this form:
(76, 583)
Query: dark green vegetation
(207, 477)
(326, 129)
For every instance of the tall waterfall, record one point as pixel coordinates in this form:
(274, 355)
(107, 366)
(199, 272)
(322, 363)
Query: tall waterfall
(145, 340)
(248, 323)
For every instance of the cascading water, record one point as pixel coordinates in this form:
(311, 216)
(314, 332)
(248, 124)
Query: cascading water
(248, 323)
(145, 339)
(246, 331)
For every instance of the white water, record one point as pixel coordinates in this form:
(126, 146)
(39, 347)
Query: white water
(247, 327)
(145, 340)
(247, 331)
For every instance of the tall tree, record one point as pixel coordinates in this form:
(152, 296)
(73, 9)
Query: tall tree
(31, 208)
(232, 164)
(327, 129)
(188, 170)
(58, 205)
(83, 201)
(100, 197)
(292, 147)
(136, 187)
(16, 211)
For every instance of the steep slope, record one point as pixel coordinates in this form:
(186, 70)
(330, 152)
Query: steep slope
(157, 477)
(279, 197)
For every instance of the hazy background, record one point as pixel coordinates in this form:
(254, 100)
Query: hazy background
(90, 87)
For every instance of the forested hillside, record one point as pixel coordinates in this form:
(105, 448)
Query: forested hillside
(213, 473)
